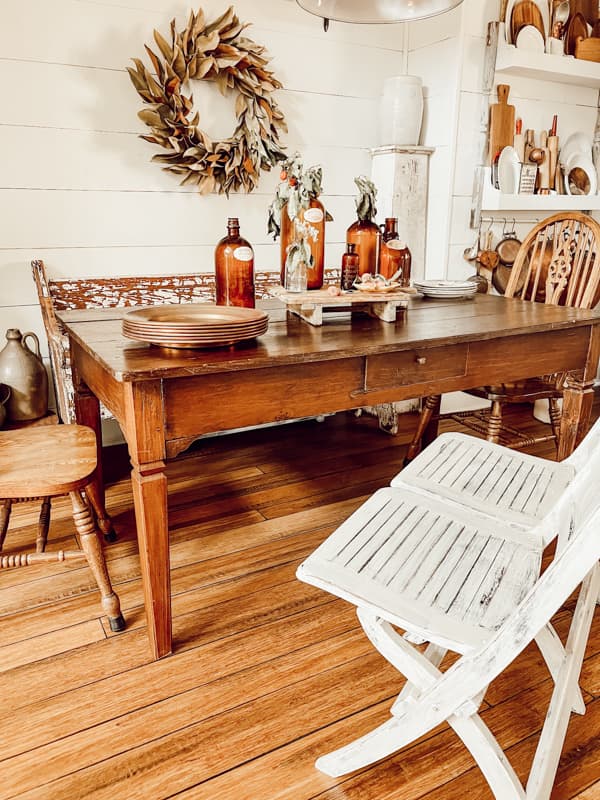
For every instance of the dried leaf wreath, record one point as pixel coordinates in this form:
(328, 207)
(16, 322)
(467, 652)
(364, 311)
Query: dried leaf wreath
(216, 52)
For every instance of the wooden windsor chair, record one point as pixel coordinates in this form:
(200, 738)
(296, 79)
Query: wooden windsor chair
(558, 264)
(47, 462)
(427, 559)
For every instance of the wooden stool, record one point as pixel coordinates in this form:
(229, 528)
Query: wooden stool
(43, 463)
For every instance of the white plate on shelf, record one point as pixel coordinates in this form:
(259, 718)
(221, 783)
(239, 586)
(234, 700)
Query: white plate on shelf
(529, 38)
(576, 144)
(545, 11)
(509, 171)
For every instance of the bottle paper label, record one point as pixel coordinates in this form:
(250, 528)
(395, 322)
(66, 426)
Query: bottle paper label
(243, 254)
(313, 215)
(396, 244)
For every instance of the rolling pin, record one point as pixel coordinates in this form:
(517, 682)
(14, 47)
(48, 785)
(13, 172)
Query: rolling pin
(519, 141)
(553, 148)
(544, 166)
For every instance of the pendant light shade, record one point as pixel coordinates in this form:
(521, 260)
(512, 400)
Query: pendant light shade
(377, 11)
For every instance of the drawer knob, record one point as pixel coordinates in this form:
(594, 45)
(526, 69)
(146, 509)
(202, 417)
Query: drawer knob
(421, 360)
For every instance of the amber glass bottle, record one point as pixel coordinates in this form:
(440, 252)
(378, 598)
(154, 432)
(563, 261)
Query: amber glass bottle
(364, 234)
(394, 255)
(234, 269)
(313, 218)
(350, 267)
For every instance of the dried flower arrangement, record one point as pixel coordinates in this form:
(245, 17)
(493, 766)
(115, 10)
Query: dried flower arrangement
(216, 52)
(297, 188)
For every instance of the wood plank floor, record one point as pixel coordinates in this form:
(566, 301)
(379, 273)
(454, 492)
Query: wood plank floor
(268, 672)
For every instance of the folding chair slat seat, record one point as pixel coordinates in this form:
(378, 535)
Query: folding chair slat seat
(451, 554)
(511, 485)
(451, 578)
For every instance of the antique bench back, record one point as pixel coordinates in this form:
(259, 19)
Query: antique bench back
(112, 292)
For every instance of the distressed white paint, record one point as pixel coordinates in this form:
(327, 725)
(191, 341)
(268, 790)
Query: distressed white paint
(402, 179)
(469, 581)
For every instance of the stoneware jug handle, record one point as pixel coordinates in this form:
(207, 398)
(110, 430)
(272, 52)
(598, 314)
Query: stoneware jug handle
(35, 339)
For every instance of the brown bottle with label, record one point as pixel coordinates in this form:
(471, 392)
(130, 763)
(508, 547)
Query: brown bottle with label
(309, 222)
(234, 269)
(364, 234)
(350, 267)
(395, 258)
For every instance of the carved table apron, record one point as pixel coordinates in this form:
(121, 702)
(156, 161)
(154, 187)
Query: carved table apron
(164, 401)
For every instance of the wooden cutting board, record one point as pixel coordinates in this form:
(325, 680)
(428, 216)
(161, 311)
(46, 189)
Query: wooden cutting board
(502, 122)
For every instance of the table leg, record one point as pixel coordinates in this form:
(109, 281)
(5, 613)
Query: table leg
(87, 412)
(145, 437)
(575, 420)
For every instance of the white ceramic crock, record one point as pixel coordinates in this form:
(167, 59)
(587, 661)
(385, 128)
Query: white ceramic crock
(401, 110)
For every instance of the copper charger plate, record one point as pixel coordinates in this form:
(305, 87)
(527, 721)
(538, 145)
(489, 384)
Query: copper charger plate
(194, 325)
(195, 314)
(177, 342)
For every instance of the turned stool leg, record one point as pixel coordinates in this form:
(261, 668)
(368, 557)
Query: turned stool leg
(5, 507)
(43, 525)
(430, 405)
(92, 548)
(102, 518)
(495, 422)
(555, 415)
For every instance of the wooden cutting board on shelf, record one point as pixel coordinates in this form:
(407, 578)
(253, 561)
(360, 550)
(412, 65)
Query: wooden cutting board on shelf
(502, 122)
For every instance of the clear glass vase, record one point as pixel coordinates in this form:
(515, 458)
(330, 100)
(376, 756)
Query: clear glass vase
(296, 277)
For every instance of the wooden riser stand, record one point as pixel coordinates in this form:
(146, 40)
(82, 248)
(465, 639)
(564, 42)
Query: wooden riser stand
(310, 305)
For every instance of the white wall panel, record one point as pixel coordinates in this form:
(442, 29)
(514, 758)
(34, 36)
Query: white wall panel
(60, 159)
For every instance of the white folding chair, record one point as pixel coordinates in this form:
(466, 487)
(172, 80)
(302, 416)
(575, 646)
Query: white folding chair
(461, 579)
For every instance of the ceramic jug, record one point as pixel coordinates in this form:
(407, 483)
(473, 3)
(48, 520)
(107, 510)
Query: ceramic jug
(4, 395)
(23, 370)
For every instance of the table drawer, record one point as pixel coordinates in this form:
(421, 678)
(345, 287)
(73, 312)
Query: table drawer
(415, 366)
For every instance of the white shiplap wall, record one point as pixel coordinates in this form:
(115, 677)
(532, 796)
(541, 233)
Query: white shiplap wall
(76, 185)
(434, 54)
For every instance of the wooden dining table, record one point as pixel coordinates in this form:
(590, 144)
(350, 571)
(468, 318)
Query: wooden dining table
(164, 400)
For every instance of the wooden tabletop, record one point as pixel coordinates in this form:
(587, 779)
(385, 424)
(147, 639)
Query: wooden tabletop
(290, 340)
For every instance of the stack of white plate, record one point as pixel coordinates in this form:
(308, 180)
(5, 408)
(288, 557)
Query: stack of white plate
(446, 290)
(194, 325)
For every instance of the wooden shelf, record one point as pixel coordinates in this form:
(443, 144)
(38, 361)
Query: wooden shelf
(543, 66)
(494, 200)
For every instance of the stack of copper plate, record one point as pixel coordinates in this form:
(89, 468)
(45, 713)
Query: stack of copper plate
(194, 325)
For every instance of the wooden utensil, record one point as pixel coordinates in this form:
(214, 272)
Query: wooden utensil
(519, 141)
(576, 28)
(587, 8)
(529, 143)
(587, 49)
(553, 149)
(527, 12)
(502, 122)
(544, 165)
